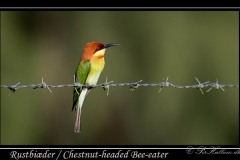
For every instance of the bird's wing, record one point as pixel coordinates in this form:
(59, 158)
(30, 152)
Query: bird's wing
(81, 75)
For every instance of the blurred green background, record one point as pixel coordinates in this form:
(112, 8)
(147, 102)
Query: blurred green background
(154, 45)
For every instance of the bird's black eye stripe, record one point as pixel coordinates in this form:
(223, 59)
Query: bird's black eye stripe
(99, 48)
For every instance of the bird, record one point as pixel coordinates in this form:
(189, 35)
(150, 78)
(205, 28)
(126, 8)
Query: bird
(87, 73)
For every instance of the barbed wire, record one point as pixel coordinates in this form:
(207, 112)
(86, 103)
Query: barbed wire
(133, 85)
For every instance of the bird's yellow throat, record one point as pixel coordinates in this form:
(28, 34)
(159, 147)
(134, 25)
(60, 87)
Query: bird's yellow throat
(97, 65)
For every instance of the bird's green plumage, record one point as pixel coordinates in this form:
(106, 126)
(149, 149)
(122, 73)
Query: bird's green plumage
(81, 75)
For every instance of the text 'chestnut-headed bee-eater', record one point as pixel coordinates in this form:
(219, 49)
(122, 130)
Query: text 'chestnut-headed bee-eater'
(88, 71)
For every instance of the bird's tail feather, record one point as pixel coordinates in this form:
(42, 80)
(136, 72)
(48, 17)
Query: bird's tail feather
(79, 108)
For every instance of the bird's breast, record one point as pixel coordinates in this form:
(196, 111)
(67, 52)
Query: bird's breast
(97, 65)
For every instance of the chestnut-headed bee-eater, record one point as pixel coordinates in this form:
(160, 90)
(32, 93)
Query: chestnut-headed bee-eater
(88, 71)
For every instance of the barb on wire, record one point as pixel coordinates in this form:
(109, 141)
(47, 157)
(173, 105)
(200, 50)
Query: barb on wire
(106, 86)
(43, 85)
(13, 87)
(133, 85)
(165, 83)
(216, 85)
(201, 85)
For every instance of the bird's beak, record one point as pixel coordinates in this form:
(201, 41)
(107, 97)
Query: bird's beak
(110, 45)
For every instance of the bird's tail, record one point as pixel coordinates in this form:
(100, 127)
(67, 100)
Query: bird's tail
(79, 108)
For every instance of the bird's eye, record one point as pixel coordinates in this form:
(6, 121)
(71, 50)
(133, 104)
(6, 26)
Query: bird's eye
(99, 48)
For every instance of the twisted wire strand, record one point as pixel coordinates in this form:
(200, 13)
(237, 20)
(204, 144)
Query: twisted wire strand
(133, 85)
